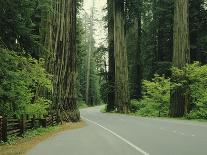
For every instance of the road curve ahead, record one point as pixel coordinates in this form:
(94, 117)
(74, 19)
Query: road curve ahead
(113, 134)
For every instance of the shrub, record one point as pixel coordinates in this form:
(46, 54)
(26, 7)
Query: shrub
(82, 104)
(136, 105)
(39, 108)
(156, 97)
(196, 79)
(156, 93)
(21, 80)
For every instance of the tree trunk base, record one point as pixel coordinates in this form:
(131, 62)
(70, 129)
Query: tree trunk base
(177, 106)
(70, 116)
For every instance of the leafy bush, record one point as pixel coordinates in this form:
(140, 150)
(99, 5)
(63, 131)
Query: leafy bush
(156, 93)
(156, 97)
(136, 105)
(39, 108)
(194, 78)
(82, 104)
(21, 80)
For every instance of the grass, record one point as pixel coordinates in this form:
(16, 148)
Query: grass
(20, 146)
(103, 109)
(82, 105)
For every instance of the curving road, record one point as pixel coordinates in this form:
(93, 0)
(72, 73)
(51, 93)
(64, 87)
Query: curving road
(113, 134)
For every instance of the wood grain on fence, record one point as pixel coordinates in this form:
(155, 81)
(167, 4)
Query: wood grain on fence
(14, 126)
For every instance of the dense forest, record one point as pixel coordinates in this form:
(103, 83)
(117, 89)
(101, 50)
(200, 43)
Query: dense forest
(153, 64)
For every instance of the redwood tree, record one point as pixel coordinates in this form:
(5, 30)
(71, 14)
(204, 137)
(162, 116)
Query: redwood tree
(64, 30)
(121, 64)
(111, 72)
(181, 56)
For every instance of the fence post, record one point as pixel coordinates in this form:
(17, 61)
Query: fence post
(33, 121)
(22, 124)
(4, 129)
(53, 119)
(27, 117)
(44, 122)
(1, 128)
(58, 117)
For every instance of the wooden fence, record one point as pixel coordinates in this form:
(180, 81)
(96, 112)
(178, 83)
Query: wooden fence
(14, 126)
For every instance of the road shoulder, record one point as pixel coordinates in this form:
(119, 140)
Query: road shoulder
(23, 145)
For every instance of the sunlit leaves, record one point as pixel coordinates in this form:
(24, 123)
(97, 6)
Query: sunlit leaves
(20, 78)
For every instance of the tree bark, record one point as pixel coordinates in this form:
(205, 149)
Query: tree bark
(181, 56)
(111, 73)
(65, 75)
(120, 54)
(134, 47)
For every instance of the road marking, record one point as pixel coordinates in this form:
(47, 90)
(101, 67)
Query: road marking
(176, 132)
(182, 133)
(118, 136)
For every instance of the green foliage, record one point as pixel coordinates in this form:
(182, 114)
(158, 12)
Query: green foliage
(82, 105)
(156, 93)
(103, 109)
(21, 79)
(20, 24)
(136, 105)
(30, 134)
(39, 108)
(156, 97)
(194, 79)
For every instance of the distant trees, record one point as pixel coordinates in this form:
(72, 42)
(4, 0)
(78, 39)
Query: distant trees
(91, 67)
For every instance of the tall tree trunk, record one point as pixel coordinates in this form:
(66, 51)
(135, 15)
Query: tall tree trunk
(89, 54)
(111, 73)
(138, 64)
(121, 64)
(65, 75)
(134, 47)
(90, 50)
(181, 56)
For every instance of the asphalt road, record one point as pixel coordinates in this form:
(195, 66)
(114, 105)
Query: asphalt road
(113, 134)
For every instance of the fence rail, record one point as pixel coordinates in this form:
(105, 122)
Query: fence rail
(14, 126)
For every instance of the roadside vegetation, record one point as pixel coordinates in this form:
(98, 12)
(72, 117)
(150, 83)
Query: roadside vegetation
(156, 93)
(82, 105)
(22, 79)
(166, 58)
(155, 101)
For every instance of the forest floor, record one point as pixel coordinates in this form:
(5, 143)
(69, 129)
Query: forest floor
(32, 138)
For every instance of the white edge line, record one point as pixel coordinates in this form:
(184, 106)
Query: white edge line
(118, 136)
